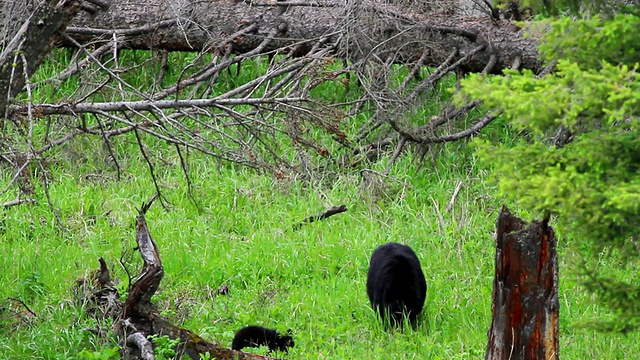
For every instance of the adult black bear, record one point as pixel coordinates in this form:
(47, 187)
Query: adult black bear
(396, 284)
(252, 336)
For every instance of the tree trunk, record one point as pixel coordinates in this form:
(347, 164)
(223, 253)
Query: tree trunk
(525, 291)
(405, 28)
(31, 43)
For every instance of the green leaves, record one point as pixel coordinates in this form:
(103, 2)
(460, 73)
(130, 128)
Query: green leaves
(588, 42)
(569, 97)
(591, 182)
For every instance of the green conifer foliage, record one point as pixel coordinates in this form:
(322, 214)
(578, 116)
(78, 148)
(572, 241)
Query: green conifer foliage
(590, 176)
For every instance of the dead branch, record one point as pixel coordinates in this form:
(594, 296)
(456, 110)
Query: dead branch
(75, 67)
(136, 319)
(453, 197)
(15, 313)
(48, 196)
(445, 138)
(396, 154)
(147, 105)
(145, 347)
(24, 306)
(290, 3)
(336, 209)
(140, 30)
(17, 202)
(138, 302)
(163, 200)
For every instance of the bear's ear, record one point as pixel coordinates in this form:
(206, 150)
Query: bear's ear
(289, 332)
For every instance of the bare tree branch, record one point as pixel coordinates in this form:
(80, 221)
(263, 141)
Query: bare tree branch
(393, 60)
(323, 215)
(445, 138)
(145, 105)
(138, 340)
(17, 202)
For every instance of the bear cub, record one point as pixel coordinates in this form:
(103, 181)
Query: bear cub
(395, 283)
(253, 336)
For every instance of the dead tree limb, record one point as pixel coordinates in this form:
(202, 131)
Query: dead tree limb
(525, 291)
(148, 105)
(140, 294)
(136, 319)
(336, 209)
(15, 313)
(15, 202)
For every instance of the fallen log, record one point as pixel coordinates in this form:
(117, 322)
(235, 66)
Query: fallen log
(359, 29)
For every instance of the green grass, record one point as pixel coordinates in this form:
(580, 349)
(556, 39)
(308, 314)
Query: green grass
(311, 280)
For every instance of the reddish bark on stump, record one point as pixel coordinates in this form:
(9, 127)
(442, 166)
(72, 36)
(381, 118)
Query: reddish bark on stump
(525, 291)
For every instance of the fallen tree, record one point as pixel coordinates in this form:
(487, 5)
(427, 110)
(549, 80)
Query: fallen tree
(397, 51)
(355, 27)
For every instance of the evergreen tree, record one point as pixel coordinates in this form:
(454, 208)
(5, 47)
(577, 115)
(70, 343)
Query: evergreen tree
(578, 154)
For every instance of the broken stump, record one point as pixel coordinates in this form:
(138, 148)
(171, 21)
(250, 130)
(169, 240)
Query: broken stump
(525, 291)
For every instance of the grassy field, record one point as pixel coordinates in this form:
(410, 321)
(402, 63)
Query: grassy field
(311, 280)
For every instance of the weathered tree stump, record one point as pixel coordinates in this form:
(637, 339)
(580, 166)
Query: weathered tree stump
(525, 291)
(136, 318)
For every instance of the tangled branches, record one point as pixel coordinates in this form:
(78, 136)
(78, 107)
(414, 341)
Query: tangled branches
(289, 107)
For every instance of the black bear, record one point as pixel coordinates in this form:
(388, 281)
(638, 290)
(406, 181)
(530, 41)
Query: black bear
(395, 283)
(253, 336)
